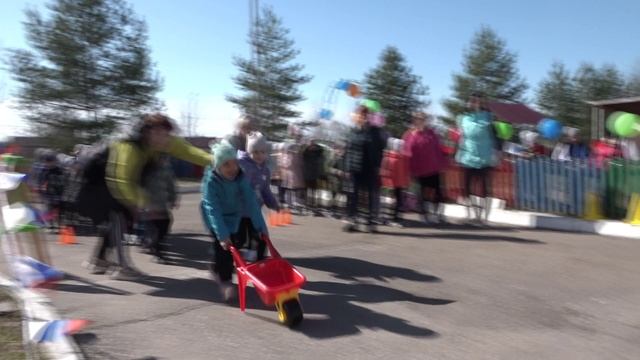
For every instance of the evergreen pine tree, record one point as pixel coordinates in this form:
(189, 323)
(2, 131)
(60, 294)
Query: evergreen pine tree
(594, 83)
(88, 70)
(399, 92)
(489, 69)
(556, 96)
(270, 82)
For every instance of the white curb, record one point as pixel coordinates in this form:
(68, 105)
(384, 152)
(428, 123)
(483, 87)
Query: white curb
(548, 221)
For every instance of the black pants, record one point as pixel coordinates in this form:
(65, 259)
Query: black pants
(397, 192)
(311, 197)
(482, 175)
(370, 185)
(157, 231)
(429, 182)
(112, 238)
(245, 237)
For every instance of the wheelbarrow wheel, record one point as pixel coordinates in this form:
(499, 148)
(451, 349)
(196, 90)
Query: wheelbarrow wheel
(291, 313)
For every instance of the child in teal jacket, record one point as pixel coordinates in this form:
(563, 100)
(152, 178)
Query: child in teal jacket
(226, 196)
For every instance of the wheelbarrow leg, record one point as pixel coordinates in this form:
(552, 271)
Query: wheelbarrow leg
(242, 291)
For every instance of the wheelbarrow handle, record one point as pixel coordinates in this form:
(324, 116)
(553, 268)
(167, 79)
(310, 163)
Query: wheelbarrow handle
(272, 250)
(237, 257)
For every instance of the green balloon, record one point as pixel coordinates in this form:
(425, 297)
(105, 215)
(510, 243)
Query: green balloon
(627, 125)
(372, 105)
(611, 121)
(504, 130)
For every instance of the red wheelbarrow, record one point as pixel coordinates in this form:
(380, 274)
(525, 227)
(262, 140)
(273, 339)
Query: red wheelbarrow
(276, 281)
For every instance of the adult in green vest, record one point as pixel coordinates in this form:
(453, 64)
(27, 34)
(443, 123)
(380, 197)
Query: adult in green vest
(125, 198)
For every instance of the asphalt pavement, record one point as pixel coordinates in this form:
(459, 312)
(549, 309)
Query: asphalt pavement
(455, 292)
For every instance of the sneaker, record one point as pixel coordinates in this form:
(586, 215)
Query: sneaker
(372, 229)
(96, 266)
(160, 259)
(127, 274)
(350, 227)
(396, 224)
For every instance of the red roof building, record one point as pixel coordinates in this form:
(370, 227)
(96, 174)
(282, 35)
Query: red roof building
(515, 113)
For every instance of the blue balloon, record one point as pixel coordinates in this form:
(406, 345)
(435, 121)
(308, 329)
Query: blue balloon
(550, 129)
(342, 85)
(326, 114)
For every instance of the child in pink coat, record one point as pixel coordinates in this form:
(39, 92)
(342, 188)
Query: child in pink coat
(426, 162)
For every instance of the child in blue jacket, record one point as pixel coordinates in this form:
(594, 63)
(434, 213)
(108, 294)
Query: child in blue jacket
(226, 196)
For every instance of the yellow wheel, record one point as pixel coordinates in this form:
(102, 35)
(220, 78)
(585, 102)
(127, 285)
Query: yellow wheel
(282, 316)
(291, 313)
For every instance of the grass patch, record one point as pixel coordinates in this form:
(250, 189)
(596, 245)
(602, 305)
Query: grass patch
(10, 332)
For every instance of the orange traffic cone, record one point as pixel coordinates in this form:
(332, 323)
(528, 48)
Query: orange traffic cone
(287, 217)
(273, 219)
(281, 219)
(62, 235)
(67, 236)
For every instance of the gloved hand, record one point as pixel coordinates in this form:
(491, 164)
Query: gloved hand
(226, 243)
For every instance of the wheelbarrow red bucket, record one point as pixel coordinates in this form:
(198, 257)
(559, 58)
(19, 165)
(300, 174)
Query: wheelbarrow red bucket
(276, 281)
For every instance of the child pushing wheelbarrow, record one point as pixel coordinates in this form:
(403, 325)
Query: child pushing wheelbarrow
(232, 214)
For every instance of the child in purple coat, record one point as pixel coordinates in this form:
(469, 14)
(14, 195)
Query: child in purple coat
(254, 166)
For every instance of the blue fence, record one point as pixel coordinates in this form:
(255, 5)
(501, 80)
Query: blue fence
(557, 187)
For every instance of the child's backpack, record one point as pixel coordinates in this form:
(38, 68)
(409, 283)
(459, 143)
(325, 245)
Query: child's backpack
(87, 193)
(54, 184)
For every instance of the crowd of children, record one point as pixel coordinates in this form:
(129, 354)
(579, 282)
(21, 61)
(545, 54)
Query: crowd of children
(369, 162)
(247, 174)
(239, 182)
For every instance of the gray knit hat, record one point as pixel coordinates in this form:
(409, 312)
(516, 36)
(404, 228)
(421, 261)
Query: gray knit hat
(257, 142)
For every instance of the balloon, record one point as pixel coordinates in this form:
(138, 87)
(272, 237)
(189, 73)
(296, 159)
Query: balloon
(342, 85)
(326, 114)
(354, 90)
(611, 120)
(627, 125)
(528, 138)
(372, 105)
(522, 135)
(550, 129)
(504, 130)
